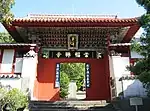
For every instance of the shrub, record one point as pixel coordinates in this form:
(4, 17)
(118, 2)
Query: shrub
(64, 84)
(80, 83)
(14, 98)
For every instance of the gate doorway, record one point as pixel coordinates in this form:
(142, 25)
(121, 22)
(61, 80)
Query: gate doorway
(73, 80)
(48, 79)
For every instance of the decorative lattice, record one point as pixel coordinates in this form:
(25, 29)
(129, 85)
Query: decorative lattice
(88, 38)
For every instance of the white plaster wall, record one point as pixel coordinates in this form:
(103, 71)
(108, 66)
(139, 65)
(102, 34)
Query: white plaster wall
(113, 89)
(111, 67)
(27, 66)
(14, 83)
(7, 61)
(119, 68)
(129, 87)
(29, 69)
(18, 65)
(133, 88)
(120, 64)
(118, 86)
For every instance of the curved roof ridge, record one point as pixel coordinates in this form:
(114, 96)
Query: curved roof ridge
(75, 19)
(67, 17)
(71, 15)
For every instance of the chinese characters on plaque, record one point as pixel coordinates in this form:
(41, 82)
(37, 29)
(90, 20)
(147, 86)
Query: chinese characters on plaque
(87, 74)
(57, 81)
(75, 54)
(72, 41)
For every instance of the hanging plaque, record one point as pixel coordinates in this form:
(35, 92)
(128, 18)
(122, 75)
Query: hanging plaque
(75, 54)
(87, 74)
(57, 80)
(72, 41)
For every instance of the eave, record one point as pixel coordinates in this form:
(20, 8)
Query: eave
(77, 21)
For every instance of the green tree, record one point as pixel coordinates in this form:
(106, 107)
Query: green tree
(142, 67)
(5, 7)
(75, 71)
(145, 4)
(135, 46)
(6, 38)
(64, 84)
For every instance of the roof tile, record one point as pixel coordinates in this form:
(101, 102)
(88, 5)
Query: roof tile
(9, 76)
(72, 18)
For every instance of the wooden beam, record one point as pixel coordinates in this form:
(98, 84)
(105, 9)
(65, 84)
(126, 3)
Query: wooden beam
(130, 34)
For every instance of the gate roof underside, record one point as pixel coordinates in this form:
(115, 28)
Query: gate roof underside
(120, 30)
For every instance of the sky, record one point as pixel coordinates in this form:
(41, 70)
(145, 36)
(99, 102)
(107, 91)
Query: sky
(121, 8)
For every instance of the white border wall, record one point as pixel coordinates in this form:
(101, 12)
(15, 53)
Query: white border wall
(29, 70)
(133, 88)
(119, 66)
(126, 87)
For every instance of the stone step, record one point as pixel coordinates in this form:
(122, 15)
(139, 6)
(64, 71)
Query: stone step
(72, 110)
(71, 102)
(70, 106)
(65, 107)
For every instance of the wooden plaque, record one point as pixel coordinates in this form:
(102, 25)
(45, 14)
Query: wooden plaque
(73, 41)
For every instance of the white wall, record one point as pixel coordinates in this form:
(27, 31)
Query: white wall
(27, 66)
(133, 88)
(6, 67)
(120, 64)
(29, 69)
(119, 68)
(7, 61)
(113, 88)
(129, 87)
(14, 83)
(111, 67)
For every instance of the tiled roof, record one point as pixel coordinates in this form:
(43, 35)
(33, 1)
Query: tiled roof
(9, 76)
(120, 44)
(74, 18)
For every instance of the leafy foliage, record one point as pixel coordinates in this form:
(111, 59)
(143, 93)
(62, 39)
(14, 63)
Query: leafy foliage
(135, 46)
(14, 98)
(145, 4)
(142, 67)
(80, 82)
(75, 71)
(64, 83)
(6, 38)
(5, 7)
(71, 71)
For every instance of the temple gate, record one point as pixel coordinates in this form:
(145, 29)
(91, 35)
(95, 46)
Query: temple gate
(70, 38)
